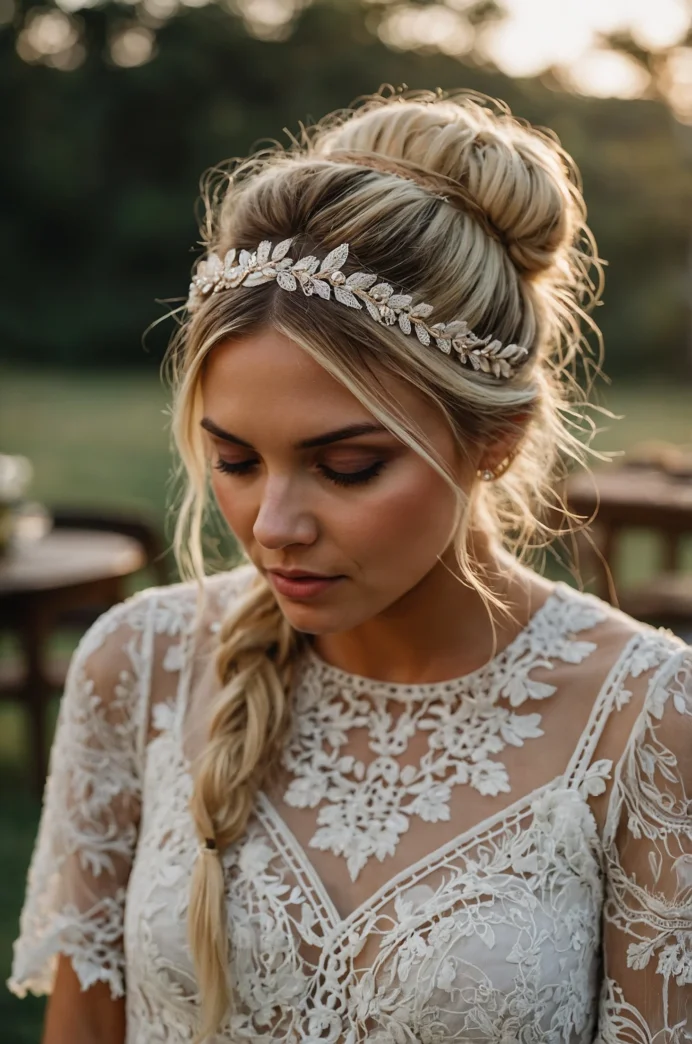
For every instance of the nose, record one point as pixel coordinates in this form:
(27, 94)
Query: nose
(283, 518)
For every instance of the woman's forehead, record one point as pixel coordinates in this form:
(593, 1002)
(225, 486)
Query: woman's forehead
(265, 380)
(267, 363)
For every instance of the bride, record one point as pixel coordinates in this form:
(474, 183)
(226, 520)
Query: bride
(383, 782)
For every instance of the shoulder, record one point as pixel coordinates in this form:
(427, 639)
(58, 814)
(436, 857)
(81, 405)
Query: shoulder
(625, 665)
(666, 710)
(645, 677)
(171, 610)
(640, 725)
(652, 780)
(151, 631)
(621, 643)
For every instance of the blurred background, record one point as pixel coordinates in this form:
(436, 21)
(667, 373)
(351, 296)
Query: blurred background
(110, 113)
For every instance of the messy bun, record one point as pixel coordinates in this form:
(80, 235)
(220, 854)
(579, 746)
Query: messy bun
(512, 178)
(448, 198)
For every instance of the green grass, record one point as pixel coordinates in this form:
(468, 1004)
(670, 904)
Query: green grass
(92, 439)
(647, 411)
(19, 812)
(102, 439)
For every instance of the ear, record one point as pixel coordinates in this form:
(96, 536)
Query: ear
(500, 452)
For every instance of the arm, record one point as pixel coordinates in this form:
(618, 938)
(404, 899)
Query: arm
(76, 1016)
(647, 919)
(71, 931)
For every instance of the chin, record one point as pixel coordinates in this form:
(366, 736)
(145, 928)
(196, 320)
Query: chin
(311, 620)
(325, 619)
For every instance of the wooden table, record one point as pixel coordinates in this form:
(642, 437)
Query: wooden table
(41, 581)
(637, 497)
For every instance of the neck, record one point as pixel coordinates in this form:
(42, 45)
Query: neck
(441, 628)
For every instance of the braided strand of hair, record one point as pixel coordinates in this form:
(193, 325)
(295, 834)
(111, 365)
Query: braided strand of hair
(248, 726)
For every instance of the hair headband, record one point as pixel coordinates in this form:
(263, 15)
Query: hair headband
(268, 264)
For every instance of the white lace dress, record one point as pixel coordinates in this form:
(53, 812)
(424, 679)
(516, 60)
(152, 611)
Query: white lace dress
(505, 857)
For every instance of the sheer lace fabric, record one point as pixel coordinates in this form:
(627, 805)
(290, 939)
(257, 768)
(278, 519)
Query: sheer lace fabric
(501, 858)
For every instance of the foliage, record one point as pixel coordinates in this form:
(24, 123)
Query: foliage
(20, 1019)
(102, 165)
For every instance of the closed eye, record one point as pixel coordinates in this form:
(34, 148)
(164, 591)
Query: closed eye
(339, 478)
(240, 467)
(352, 478)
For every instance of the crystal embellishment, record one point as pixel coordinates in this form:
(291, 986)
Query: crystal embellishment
(269, 263)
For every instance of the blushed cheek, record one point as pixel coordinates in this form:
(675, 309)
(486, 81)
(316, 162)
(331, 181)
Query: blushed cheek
(403, 531)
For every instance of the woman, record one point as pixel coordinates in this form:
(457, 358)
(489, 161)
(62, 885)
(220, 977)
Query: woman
(383, 782)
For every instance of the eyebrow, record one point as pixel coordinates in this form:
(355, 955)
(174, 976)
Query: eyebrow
(338, 435)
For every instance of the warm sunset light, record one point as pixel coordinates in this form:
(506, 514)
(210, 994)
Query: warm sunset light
(526, 39)
(571, 37)
(346, 521)
(540, 33)
(529, 37)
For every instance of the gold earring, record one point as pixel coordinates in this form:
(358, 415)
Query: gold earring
(489, 475)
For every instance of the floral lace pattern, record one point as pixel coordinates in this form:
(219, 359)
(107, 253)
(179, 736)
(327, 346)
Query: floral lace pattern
(542, 924)
(367, 809)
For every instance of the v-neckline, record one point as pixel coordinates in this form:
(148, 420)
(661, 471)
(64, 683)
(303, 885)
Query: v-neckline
(429, 861)
(266, 809)
(598, 714)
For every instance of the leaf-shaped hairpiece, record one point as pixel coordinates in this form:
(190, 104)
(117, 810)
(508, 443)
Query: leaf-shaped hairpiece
(335, 259)
(269, 263)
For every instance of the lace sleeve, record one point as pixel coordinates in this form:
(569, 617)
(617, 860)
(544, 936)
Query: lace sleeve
(647, 924)
(76, 885)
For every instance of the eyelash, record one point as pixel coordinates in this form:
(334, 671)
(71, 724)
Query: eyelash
(339, 478)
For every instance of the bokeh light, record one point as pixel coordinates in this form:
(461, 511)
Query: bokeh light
(605, 73)
(539, 34)
(132, 45)
(161, 10)
(437, 27)
(268, 19)
(679, 74)
(51, 37)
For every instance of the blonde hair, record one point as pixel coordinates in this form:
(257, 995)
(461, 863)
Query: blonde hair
(446, 196)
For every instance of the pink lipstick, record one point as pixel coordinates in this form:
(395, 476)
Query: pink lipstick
(301, 585)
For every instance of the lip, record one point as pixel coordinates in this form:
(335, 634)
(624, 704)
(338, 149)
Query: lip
(301, 586)
(298, 574)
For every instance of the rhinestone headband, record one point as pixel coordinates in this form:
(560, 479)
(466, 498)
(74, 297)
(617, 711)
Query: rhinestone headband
(268, 263)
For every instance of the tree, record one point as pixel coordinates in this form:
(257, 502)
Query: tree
(103, 163)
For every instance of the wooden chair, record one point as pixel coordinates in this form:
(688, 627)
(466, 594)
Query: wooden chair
(34, 608)
(622, 501)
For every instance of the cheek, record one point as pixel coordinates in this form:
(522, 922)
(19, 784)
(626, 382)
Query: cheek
(406, 524)
(232, 505)
(400, 524)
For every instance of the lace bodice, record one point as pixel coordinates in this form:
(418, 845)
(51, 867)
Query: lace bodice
(505, 857)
